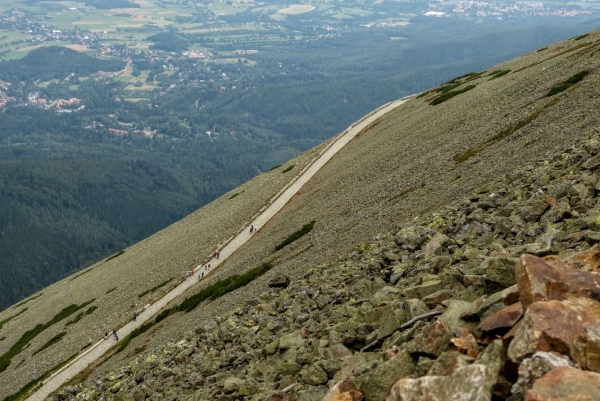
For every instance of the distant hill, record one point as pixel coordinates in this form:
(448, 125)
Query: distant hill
(52, 62)
(108, 4)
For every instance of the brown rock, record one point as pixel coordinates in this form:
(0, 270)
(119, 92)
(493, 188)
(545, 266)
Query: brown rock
(541, 280)
(565, 384)
(466, 384)
(432, 341)
(344, 390)
(500, 322)
(553, 326)
(465, 343)
(586, 348)
(434, 247)
(587, 260)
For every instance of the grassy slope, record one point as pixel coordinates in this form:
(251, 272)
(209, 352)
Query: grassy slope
(356, 195)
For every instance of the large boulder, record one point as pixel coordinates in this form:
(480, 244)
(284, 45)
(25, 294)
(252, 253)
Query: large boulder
(565, 383)
(553, 326)
(467, 383)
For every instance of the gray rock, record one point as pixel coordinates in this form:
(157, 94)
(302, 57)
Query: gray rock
(468, 383)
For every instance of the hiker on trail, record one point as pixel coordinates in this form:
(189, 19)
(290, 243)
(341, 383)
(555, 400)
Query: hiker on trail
(106, 335)
(218, 254)
(208, 265)
(251, 228)
(116, 335)
(202, 275)
(134, 316)
(187, 274)
(214, 254)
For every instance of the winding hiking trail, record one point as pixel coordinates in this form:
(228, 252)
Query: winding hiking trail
(276, 203)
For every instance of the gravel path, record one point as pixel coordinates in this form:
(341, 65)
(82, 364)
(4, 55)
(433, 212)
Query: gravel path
(100, 348)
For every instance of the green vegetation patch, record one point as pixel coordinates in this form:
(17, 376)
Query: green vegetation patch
(585, 35)
(449, 95)
(463, 157)
(275, 167)
(51, 342)
(137, 332)
(79, 316)
(27, 300)
(116, 255)
(568, 83)
(156, 287)
(542, 49)
(29, 335)
(111, 290)
(24, 391)
(80, 274)
(216, 290)
(296, 235)
(235, 194)
(8, 319)
(288, 169)
(498, 74)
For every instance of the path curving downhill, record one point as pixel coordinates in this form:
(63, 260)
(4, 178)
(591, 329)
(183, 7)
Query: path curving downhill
(97, 350)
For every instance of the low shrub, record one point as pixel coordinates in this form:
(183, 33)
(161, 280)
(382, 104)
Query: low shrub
(498, 74)
(51, 342)
(137, 332)
(116, 255)
(8, 319)
(449, 95)
(27, 300)
(288, 169)
(235, 194)
(216, 290)
(275, 167)
(568, 83)
(296, 235)
(29, 335)
(585, 35)
(156, 287)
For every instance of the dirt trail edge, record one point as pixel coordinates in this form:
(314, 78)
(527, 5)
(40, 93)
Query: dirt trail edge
(101, 347)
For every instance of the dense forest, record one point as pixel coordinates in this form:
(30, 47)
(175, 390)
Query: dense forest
(78, 186)
(55, 62)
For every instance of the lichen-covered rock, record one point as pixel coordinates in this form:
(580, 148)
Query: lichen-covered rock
(468, 383)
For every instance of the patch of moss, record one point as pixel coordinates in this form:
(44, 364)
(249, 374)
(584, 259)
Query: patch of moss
(80, 274)
(542, 49)
(29, 335)
(156, 287)
(568, 83)
(235, 194)
(27, 300)
(463, 157)
(111, 290)
(8, 319)
(24, 391)
(288, 169)
(51, 342)
(79, 316)
(471, 293)
(498, 74)
(116, 255)
(449, 95)
(275, 167)
(295, 235)
(585, 35)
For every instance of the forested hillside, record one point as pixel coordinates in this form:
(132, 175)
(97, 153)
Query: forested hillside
(100, 149)
(52, 62)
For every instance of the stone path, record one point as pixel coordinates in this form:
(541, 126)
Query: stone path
(101, 347)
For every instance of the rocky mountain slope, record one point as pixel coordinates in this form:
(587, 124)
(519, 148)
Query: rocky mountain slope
(453, 192)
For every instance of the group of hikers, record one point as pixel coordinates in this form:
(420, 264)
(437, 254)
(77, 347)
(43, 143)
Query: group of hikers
(216, 254)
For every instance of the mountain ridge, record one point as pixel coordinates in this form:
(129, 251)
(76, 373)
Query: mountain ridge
(399, 168)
